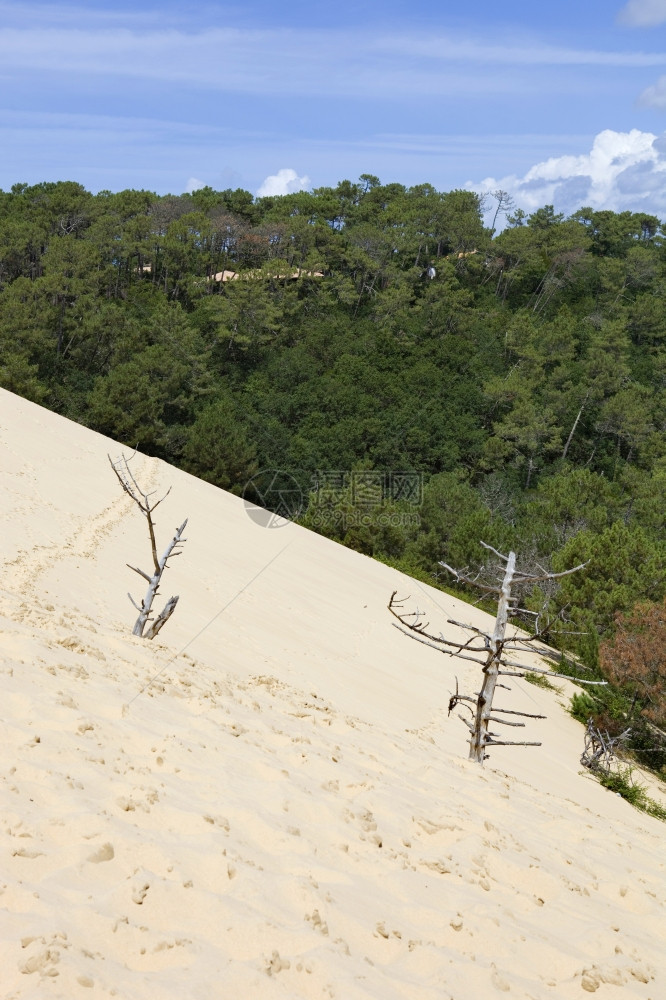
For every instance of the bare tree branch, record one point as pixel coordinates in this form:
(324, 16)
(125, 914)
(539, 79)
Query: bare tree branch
(528, 578)
(460, 576)
(139, 571)
(528, 715)
(510, 743)
(500, 555)
(147, 506)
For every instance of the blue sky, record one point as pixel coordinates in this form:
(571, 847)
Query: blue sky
(561, 103)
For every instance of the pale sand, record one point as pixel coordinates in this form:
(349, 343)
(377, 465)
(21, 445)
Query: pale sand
(286, 811)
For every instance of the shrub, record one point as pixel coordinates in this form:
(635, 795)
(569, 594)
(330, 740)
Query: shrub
(635, 660)
(622, 783)
(583, 706)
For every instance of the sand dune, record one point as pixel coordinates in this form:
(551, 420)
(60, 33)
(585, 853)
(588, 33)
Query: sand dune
(269, 799)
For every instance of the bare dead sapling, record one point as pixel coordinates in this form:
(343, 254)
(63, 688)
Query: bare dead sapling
(489, 650)
(147, 505)
(600, 750)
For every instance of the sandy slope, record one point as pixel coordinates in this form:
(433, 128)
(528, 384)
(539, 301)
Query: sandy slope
(269, 800)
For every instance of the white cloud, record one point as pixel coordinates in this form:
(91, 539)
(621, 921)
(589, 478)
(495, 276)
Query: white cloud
(655, 95)
(194, 184)
(643, 13)
(622, 171)
(285, 181)
(76, 43)
(531, 51)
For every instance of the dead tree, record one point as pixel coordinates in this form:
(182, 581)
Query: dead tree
(147, 506)
(493, 649)
(600, 750)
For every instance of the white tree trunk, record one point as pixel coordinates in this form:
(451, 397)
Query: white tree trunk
(153, 585)
(484, 704)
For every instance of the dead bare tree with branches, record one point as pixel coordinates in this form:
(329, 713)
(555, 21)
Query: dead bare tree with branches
(147, 506)
(493, 648)
(600, 750)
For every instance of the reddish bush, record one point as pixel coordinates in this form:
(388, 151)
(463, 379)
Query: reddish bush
(635, 659)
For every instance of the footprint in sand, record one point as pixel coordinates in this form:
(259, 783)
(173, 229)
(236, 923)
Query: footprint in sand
(276, 964)
(104, 853)
(45, 955)
(140, 894)
(317, 923)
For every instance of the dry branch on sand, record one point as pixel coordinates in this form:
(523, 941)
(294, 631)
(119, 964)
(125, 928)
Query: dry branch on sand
(600, 750)
(147, 506)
